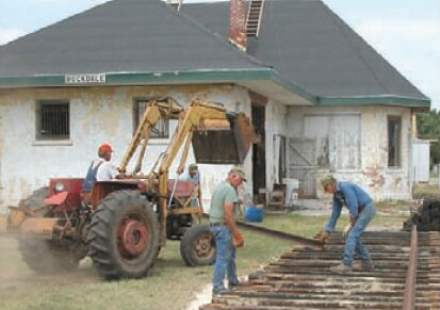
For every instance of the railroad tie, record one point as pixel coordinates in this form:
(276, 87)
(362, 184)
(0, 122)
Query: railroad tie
(301, 277)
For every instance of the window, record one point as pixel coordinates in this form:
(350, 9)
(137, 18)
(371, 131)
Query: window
(394, 140)
(160, 131)
(52, 120)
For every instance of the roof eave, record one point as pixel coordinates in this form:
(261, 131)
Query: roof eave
(378, 100)
(201, 76)
(136, 78)
(294, 88)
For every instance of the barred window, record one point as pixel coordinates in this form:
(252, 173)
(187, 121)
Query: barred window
(52, 120)
(159, 131)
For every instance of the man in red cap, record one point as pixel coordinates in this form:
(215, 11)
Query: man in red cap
(106, 171)
(100, 169)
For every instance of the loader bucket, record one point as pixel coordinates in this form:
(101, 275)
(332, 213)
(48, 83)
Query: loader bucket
(224, 146)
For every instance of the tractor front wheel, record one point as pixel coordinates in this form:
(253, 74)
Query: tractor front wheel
(197, 246)
(124, 236)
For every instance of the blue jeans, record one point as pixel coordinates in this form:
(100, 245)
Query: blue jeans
(225, 258)
(353, 244)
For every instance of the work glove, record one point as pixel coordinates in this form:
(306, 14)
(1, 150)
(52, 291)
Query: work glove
(237, 240)
(322, 236)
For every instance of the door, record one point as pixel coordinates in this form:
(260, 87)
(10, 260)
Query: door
(259, 148)
(303, 165)
(282, 160)
(330, 141)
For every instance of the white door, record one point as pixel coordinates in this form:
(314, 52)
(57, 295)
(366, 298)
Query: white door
(337, 139)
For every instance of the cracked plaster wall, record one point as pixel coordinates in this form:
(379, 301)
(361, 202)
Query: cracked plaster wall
(373, 174)
(97, 115)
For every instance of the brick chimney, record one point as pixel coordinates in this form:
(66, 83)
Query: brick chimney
(237, 23)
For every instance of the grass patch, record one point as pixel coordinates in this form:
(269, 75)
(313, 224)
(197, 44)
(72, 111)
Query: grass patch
(393, 207)
(171, 285)
(425, 190)
(308, 226)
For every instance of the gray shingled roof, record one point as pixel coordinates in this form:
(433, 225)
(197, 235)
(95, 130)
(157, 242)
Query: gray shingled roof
(121, 36)
(309, 44)
(304, 52)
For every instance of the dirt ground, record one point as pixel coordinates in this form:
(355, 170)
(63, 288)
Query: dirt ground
(21, 288)
(170, 285)
(17, 280)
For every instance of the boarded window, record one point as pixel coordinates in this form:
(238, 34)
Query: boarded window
(394, 140)
(329, 141)
(52, 120)
(160, 130)
(337, 140)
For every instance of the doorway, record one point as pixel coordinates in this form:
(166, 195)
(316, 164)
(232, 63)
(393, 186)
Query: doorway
(259, 147)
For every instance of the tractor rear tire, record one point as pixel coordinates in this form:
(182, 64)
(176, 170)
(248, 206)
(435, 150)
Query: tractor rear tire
(124, 236)
(197, 246)
(45, 257)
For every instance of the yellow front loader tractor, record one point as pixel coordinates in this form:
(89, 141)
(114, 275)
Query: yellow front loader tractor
(126, 222)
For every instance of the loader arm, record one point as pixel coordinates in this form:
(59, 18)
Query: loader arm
(158, 108)
(199, 116)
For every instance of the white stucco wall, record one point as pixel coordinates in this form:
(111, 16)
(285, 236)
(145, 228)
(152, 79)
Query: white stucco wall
(421, 160)
(276, 124)
(373, 174)
(105, 114)
(97, 115)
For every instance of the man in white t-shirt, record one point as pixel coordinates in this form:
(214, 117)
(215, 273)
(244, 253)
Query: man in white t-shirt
(107, 171)
(100, 169)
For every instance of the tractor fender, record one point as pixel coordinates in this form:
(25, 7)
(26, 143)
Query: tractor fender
(56, 199)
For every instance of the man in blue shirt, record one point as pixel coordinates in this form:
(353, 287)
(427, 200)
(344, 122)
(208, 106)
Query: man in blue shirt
(361, 212)
(193, 175)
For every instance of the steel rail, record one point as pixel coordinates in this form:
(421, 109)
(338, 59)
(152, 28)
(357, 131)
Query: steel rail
(409, 297)
(280, 234)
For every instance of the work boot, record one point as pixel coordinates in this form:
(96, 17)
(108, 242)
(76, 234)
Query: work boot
(363, 265)
(341, 268)
(368, 266)
(233, 285)
(220, 291)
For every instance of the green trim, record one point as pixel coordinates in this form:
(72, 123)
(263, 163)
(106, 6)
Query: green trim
(213, 76)
(159, 78)
(384, 100)
(294, 88)
(143, 78)
(187, 76)
(19, 82)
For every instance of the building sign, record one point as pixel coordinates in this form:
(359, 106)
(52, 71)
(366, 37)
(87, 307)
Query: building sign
(87, 78)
